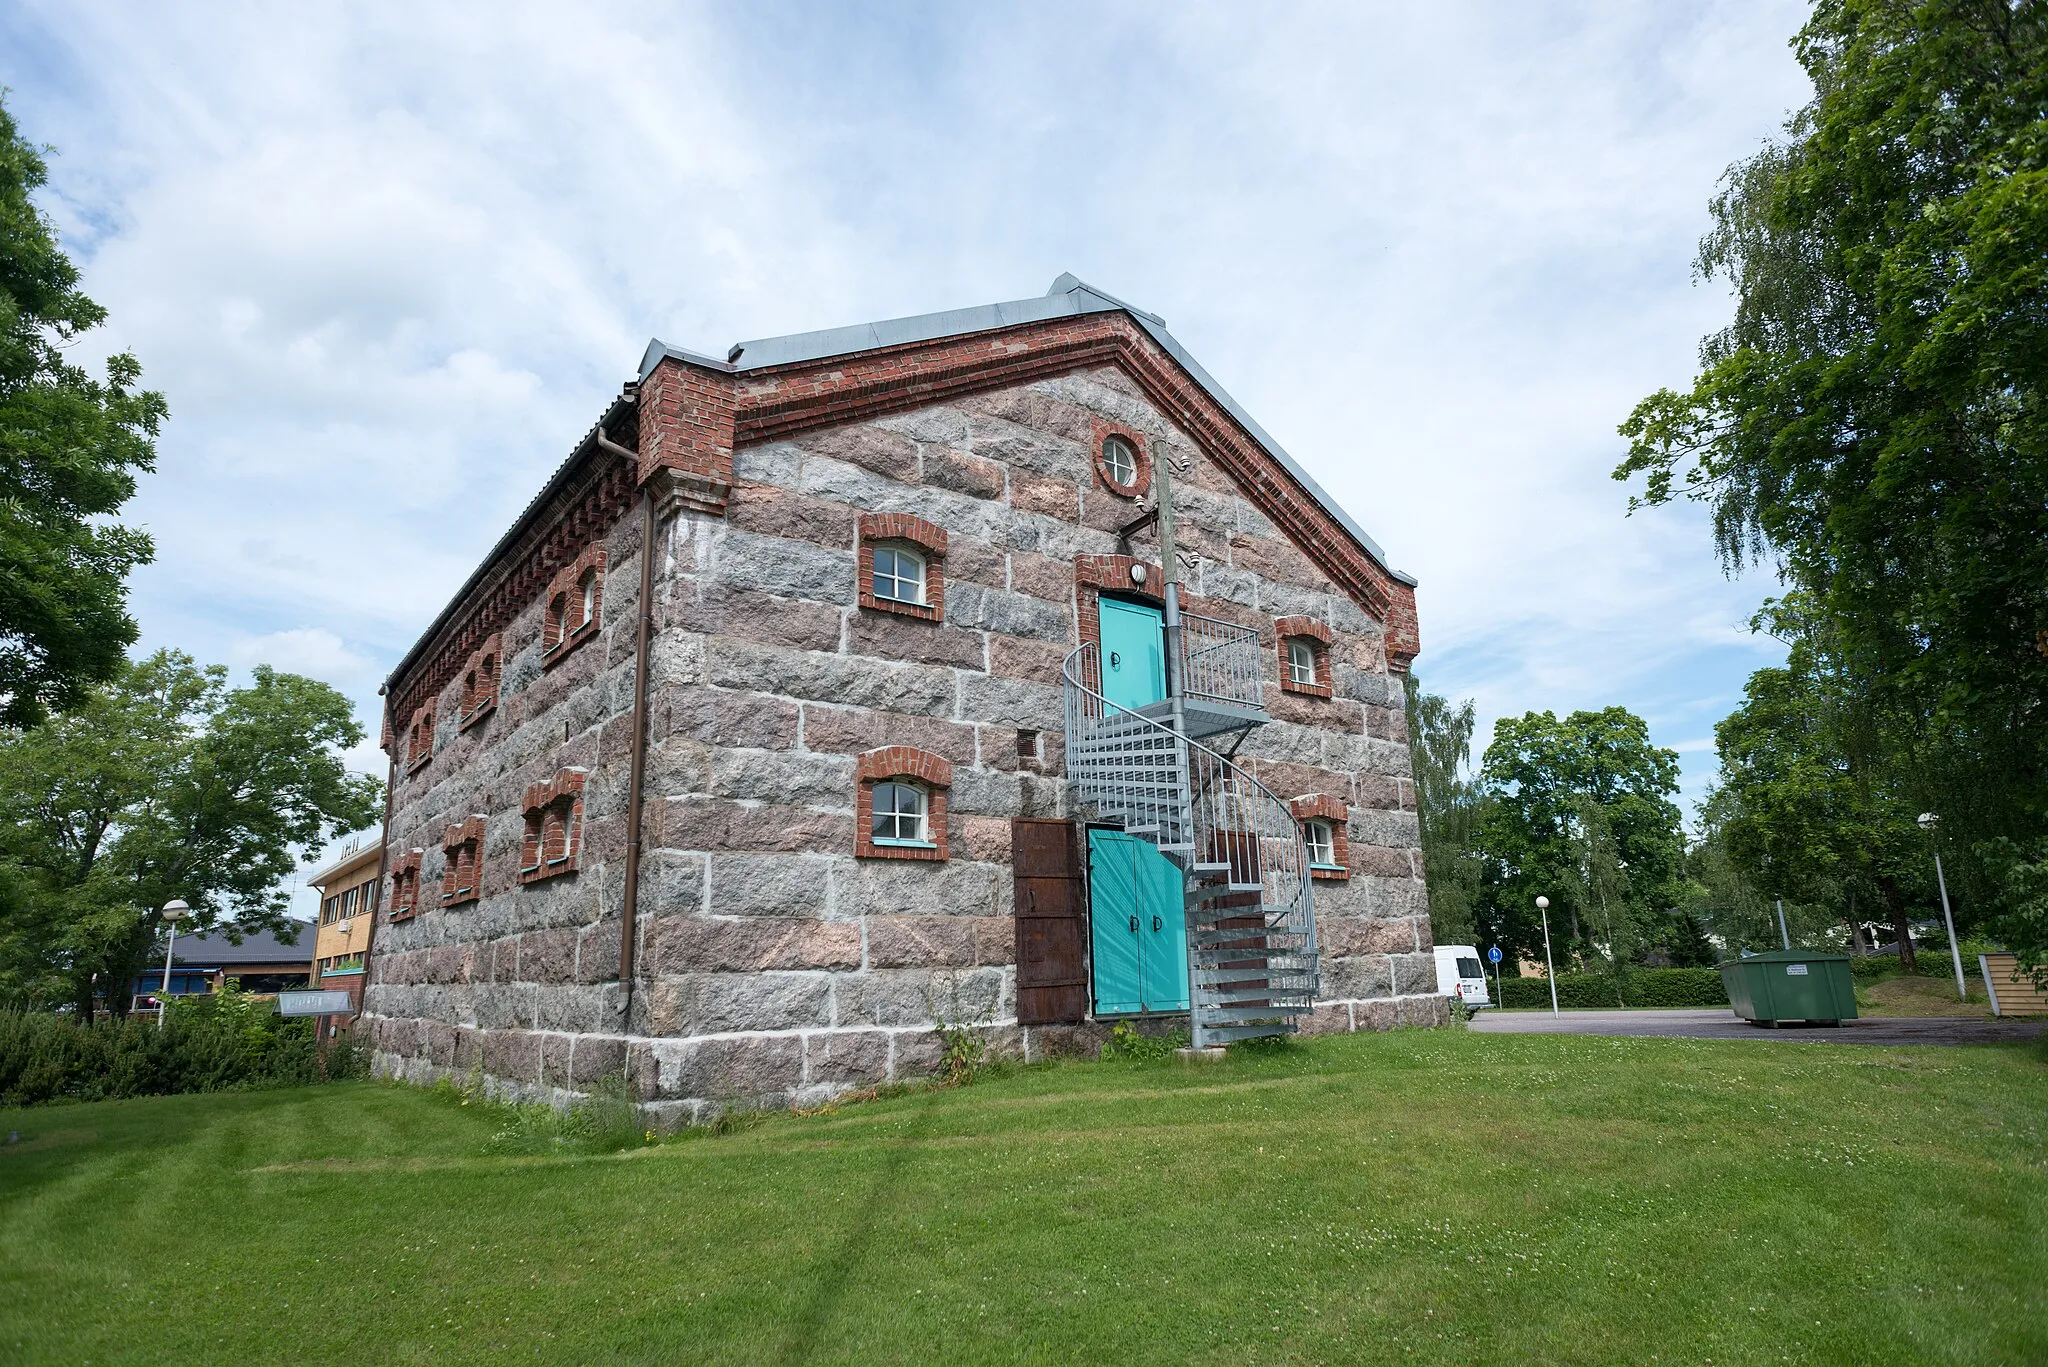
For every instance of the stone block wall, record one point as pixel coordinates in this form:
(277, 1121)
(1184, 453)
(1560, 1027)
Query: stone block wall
(774, 964)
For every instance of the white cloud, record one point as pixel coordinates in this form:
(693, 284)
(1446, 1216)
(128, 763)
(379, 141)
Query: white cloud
(389, 263)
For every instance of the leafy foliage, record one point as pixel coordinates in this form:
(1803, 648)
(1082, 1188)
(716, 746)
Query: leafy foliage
(70, 447)
(1449, 804)
(1872, 421)
(164, 783)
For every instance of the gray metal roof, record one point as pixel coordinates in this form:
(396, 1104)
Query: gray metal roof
(1067, 298)
(258, 947)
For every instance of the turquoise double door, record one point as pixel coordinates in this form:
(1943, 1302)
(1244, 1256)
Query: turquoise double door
(1137, 926)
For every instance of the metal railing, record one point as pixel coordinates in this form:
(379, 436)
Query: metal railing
(1251, 913)
(1220, 661)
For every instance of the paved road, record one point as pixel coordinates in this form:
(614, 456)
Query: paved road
(1721, 1023)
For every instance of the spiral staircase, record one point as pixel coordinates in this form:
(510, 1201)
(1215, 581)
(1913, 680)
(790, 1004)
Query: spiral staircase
(1163, 773)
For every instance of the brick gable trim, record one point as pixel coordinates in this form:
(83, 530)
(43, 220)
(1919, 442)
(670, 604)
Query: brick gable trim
(775, 402)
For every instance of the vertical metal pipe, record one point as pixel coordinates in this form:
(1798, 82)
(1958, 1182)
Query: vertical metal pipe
(637, 770)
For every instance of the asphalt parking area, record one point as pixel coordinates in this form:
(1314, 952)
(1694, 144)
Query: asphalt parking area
(1722, 1023)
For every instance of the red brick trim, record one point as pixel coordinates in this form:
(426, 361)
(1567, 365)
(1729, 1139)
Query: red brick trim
(928, 537)
(462, 872)
(1140, 455)
(480, 675)
(1095, 574)
(780, 401)
(1319, 635)
(419, 738)
(405, 886)
(590, 502)
(933, 772)
(686, 433)
(1323, 807)
(565, 621)
(553, 840)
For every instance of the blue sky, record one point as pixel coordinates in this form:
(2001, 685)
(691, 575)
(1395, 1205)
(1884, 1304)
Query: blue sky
(388, 262)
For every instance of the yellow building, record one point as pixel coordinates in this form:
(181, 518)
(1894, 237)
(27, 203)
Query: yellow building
(348, 905)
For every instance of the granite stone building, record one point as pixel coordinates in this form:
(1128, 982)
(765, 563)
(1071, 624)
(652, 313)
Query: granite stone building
(838, 688)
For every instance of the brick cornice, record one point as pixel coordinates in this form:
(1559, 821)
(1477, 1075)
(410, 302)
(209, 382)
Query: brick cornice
(778, 401)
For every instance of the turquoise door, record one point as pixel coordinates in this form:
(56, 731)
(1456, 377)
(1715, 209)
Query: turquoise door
(1137, 926)
(1133, 653)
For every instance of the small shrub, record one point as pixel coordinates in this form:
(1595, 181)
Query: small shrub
(1127, 1042)
(229, 1044)
(965, 1053)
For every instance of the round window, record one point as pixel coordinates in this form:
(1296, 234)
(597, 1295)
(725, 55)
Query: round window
(1120, 461)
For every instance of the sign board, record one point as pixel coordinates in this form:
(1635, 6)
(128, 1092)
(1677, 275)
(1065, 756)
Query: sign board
(312, 1004)
(1796, 970)
(1493, 955)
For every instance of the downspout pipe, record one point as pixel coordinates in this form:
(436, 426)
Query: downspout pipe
(637, 771)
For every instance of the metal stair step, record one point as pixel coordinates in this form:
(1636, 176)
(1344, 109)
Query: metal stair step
(1236, 1032)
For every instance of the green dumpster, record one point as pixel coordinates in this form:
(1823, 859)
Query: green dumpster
(1791, 985)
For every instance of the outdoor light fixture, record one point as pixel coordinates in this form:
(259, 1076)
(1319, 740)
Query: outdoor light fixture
(1927, 821)
(173, 912)
(1137, 574)
(1549, 969)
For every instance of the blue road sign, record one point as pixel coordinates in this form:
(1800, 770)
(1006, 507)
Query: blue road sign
(1493, 955)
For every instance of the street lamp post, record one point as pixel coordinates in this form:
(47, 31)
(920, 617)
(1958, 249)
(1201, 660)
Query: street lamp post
(1549, 969)
(1928, 821)
(173, 912)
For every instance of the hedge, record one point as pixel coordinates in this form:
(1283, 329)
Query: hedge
(1642, 987)
(52, 1058)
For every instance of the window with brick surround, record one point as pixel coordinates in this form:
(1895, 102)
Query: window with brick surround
(903, 565)
(575, 605)
(462, 869)
(405, 885)
(1304, 656)
(480, 682)
(554, 826)
(1122, 464)
(1326, 830)
(900, 805)
(420, 737)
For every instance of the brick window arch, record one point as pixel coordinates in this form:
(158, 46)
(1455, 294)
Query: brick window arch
(553, 840)
(1304, 656)
(1123, 465)
(900, 804)
(480, 682)
(882, 535)
(462, 869)
(405, 885)
(575, 605)
(419, 738)
(1327, 817)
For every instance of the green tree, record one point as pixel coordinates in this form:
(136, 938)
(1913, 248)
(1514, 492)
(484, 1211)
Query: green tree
(70, 447)
(1872, 421)
(164, 783)
(1539, 775)
(1448, 803)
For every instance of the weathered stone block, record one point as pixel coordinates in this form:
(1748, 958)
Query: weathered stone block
(785, 513)
(783, 778)
(734, 1003)
(894, 887)
(771, 884)
(847, 1058)
(921, 941)
(785, 568)
(893, 636)
(848, 731)
(723, 1069)
(724, 717)
(1010, 702)
(913, 689)
(963, 473)
(705, 823)
(688, 944)
(871, 447)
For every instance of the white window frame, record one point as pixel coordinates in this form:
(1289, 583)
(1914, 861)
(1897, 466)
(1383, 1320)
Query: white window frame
(1322, 853)
(1125, 477)
(1301, 650)
(901, 553)
(919, 816)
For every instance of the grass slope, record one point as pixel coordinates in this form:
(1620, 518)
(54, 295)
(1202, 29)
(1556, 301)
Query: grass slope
(1409, 1197)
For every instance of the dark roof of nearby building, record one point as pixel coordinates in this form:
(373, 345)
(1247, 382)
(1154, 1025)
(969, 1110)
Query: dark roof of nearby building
(1067, 298)
(257, 947)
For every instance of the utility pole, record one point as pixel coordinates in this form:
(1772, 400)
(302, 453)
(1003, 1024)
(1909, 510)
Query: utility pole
(1783, 933)
(1549, 968)
(1928, 821)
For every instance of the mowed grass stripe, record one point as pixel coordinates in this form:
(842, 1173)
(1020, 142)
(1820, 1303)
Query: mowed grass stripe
(1415, 1196)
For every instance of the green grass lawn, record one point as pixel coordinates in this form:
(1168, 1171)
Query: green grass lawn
(1424, 1196)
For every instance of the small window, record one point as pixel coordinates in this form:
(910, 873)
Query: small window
(1301, 662)
(899, 574)
(587, 588)
(1119, 461)
(899, 814)
(1322, 844)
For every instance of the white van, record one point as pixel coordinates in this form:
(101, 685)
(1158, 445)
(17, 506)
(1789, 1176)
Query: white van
(1460, 974)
